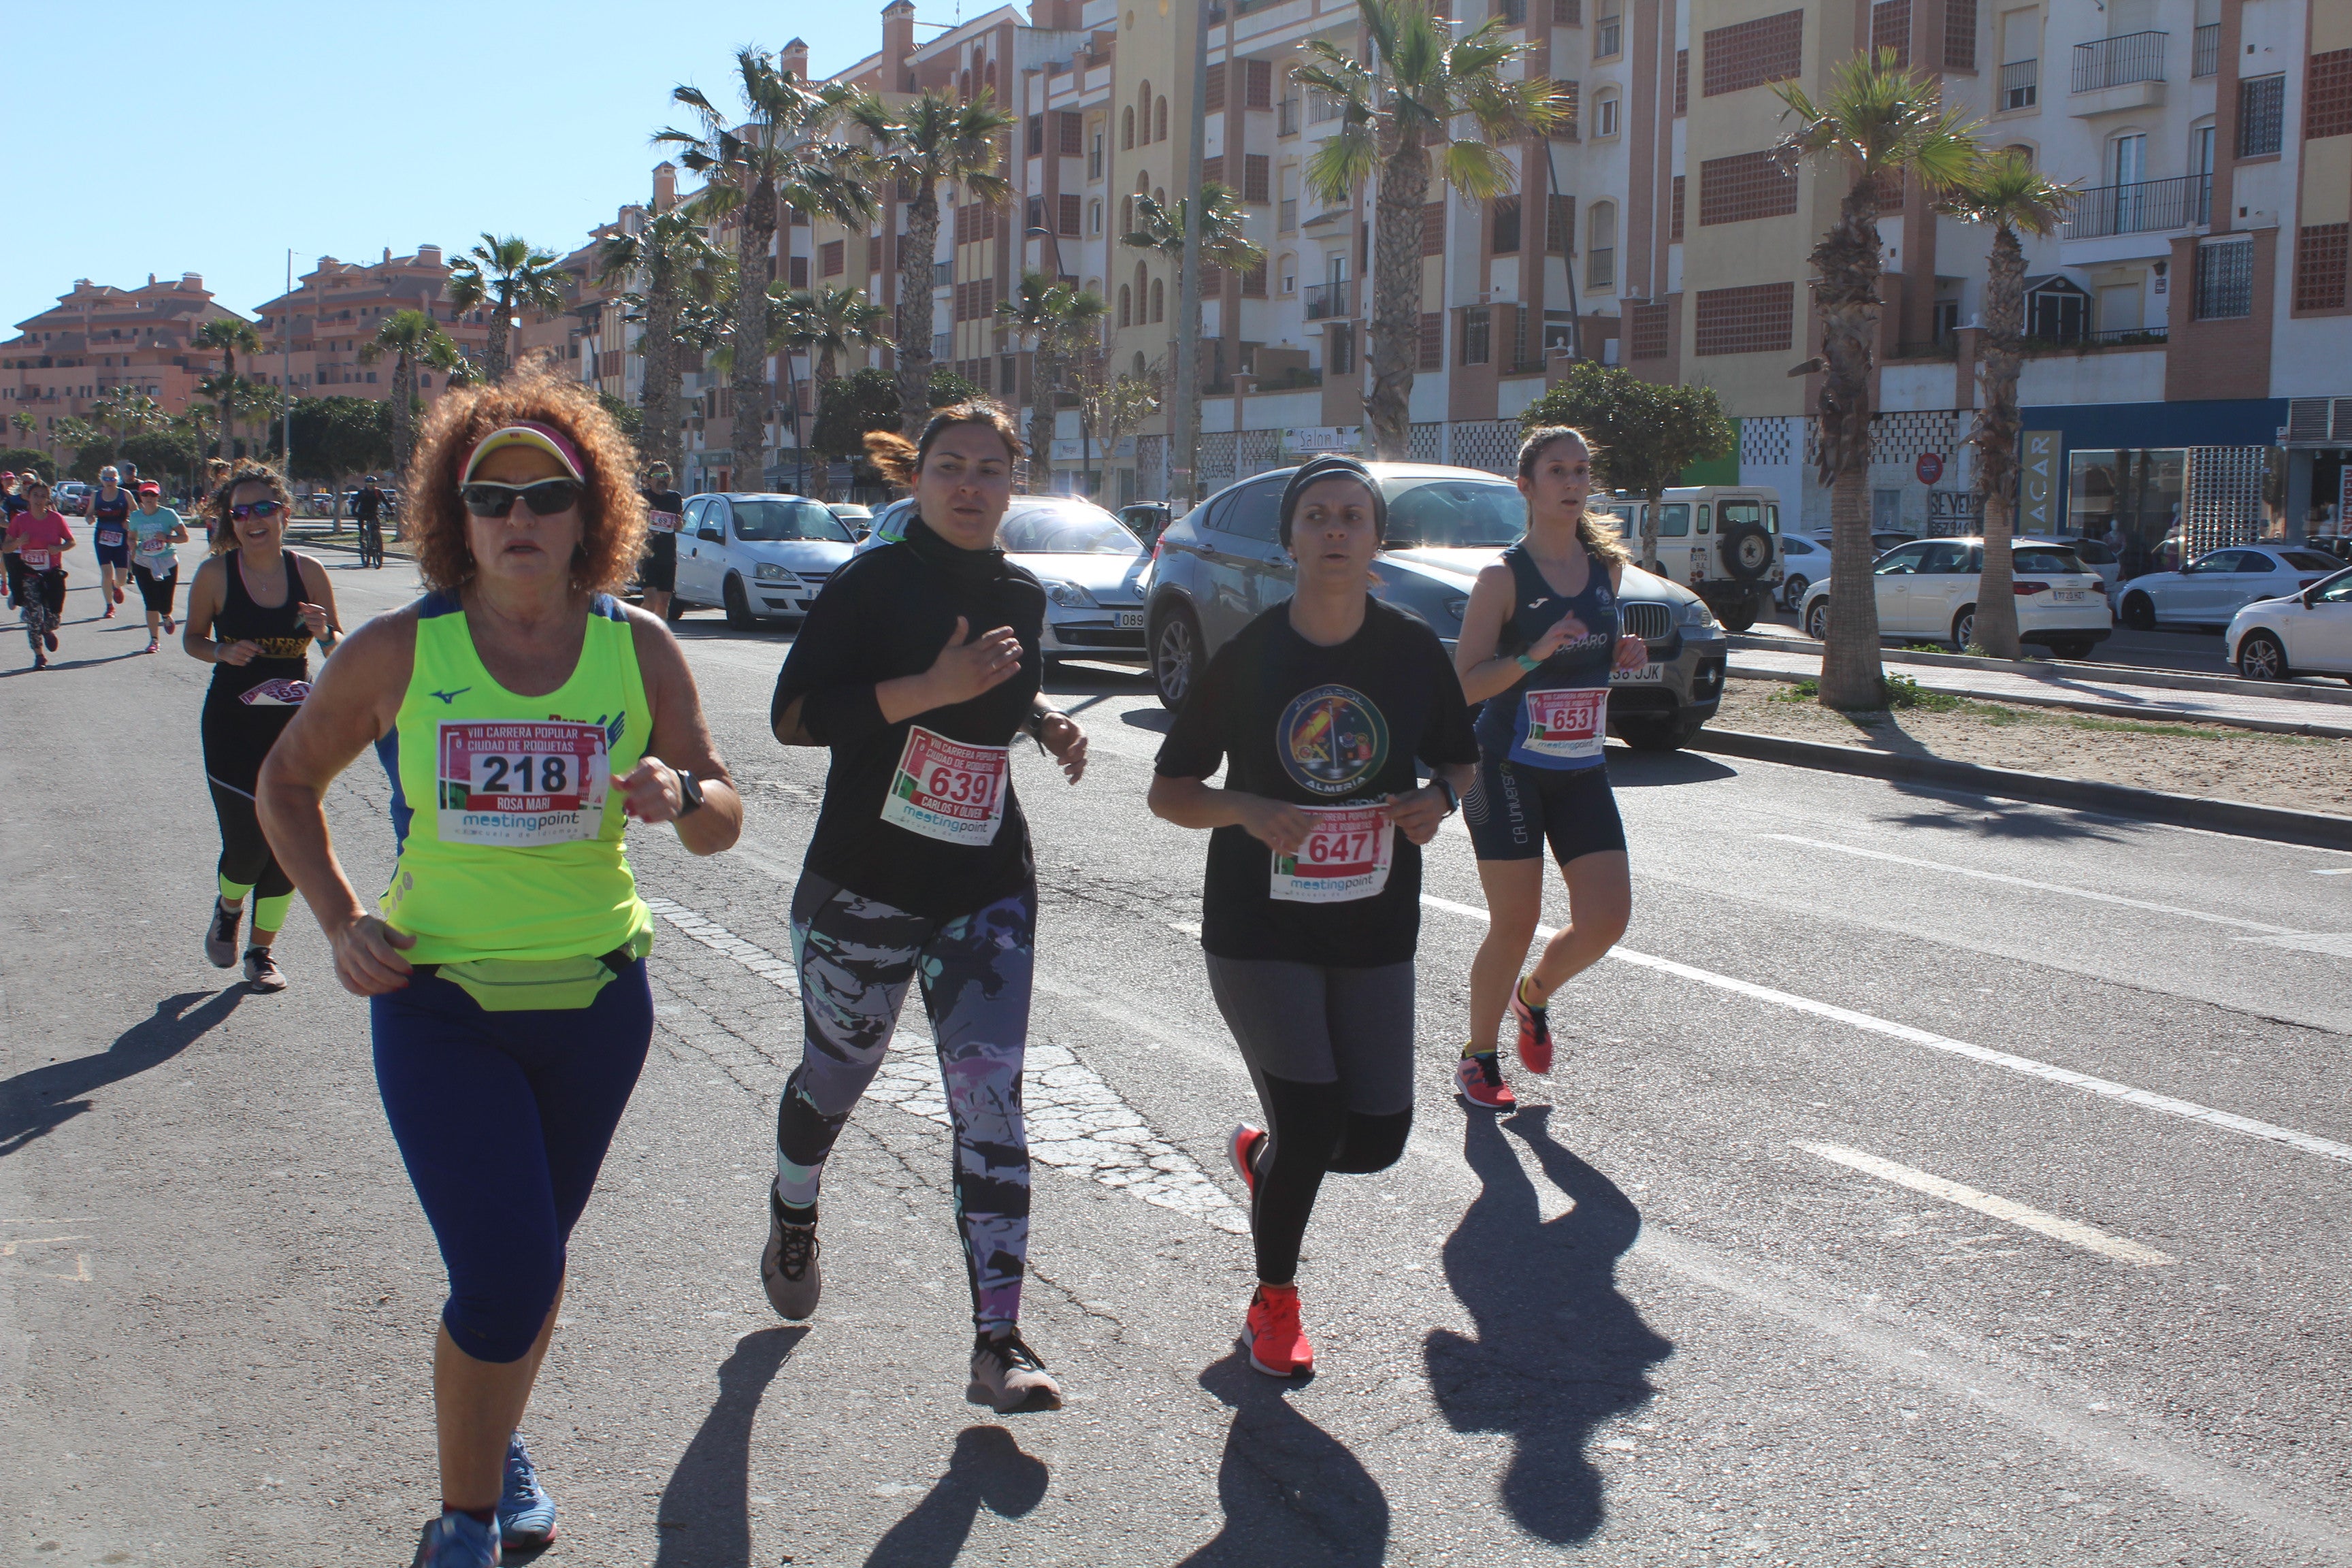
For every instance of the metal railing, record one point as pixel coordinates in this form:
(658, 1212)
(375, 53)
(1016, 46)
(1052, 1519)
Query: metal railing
(2119, 61)
(2205, 51)
(1327, 301)
(2128, 337)
(2020, 84)
(2148, 206)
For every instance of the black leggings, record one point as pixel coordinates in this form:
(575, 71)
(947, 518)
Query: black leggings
(156, 592)
(245, 860)
(1331, 1053)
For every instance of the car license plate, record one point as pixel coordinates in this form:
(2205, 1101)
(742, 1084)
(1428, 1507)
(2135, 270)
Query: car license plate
(1129, 620)
(2068, 596)
(1649, 672)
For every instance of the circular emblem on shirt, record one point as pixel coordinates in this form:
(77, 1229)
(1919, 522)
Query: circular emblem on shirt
(1332, 740)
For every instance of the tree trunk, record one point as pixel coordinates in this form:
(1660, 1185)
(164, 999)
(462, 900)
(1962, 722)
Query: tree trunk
(747, 429)
(403, 416)
(1995, 438)
(1846, 263)
(914, 338)
(501, 314)
(1042, 376)
(658, 348)
(1650, 531)
(1396, 301)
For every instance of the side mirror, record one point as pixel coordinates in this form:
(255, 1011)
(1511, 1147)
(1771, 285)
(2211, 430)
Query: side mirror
(709, 536)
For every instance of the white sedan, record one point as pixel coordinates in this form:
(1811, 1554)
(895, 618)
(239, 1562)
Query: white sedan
(757, 556)
(1927, 588)
(2309, 633)
(1090, 562)
(2218, 583)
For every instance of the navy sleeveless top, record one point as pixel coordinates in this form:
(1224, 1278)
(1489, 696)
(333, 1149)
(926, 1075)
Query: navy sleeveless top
(1556, 715)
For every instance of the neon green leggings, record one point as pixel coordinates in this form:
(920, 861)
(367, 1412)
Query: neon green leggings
(268, 914)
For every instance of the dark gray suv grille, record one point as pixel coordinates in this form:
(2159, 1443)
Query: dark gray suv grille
(1651, 623)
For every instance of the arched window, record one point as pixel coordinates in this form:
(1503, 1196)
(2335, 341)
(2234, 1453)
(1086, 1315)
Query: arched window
(991, 77)
(1143, 111)
(964, 84)
(1286, 272)
(1601, 247)
(1158, 302)
(1160, 194)
(1126, 130)
(1126, 215)
(1126, 306)
(1141, 368)
(1142, 286)
(1093, 216)
(1604, 114)
(1159, 121)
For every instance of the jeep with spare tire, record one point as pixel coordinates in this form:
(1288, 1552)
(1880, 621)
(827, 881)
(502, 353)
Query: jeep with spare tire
(1720, 542)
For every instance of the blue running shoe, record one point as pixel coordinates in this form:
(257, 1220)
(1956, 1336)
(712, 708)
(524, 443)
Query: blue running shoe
(526, 1513)
(457, 1541)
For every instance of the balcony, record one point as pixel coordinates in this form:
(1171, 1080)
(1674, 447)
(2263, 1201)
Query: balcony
(2020, 84)
(1330, 301)
(2205, 52)
(2150, 207)
(2116, 74)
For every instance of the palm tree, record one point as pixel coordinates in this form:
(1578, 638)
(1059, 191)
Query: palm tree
(232, 335)
(1392, 113)
(2008, 193)
(1878, 124)
(931, 141)
(1160, 228)
(670, 260)
(1055, 318)
(781, 157)
(416, 341)
(24, 424)
(507, 275)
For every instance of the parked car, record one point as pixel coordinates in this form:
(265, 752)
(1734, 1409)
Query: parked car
(757, 555)
(2217, 585)
(1722, 542)
(857, 517)
(1145, 520)
(71, 498)
(1927, 588)
(2308, 633)
(1092, 570)
(889, 525)
(2091, 552)
(1221, 564)
(1805, 560)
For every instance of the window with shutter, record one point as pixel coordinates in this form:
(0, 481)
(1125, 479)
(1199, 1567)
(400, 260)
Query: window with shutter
(1432, 229)
(1036, 138)
(1506, 225)
(1212, 171)
(1069, 216)
(1433, 339)
(1072, 134)
(1257, 178)
(1477, 332)
(1559, 223)
(832, 252)
(1215, 89)
(1261, 85)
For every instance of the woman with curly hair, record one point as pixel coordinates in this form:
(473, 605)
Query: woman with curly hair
(253, 612)
(524, 714)
(918, 667)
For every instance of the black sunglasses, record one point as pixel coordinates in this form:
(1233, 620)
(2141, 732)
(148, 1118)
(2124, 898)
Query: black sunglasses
(486, 497)
(254, 509)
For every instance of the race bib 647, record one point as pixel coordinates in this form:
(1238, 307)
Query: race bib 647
(521, 783)
(1345, 857)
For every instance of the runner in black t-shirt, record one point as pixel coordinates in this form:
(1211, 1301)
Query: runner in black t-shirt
(658, 570)
(1312, 907)
(918, 666)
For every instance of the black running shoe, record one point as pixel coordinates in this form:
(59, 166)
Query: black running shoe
(220, 942)
(261, 971)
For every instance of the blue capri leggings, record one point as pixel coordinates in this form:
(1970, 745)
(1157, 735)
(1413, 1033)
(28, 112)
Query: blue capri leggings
(502, 1120)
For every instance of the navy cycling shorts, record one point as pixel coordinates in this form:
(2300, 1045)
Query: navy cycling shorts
(1513, 810)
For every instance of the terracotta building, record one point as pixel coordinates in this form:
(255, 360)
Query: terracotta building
(336, 309)
(98, 338)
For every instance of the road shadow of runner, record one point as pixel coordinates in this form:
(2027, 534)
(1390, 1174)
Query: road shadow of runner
(35, 1103)
(988, 1470)
(1558, 1349)
(704, 1517)
(1291, 1492)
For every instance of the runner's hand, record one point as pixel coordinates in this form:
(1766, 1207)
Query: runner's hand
(1559, 635)
(1417, 813)
(1062, 737)
(969, 666)
(315, 617)
(1632, 653)
(367, 957)
(1281, 828)
(240, 653)
(650, 793)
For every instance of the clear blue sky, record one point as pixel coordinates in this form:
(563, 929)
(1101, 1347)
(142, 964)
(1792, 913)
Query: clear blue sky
(175, 138)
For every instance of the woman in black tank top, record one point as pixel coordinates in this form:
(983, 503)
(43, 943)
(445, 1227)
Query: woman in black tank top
(253, 612)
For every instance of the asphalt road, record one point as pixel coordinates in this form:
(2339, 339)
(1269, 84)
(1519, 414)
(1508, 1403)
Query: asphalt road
(1927, 1181)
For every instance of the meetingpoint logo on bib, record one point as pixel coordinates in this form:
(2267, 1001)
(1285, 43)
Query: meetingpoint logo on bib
(1332, 740)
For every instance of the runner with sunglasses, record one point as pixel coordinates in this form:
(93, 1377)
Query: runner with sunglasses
(1539, 641)
(525, 714)
(253, 612)
(1311, 912)
(110, 535)
(156, 533)
(35, 543)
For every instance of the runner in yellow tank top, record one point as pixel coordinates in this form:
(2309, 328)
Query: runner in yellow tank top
(523, 715)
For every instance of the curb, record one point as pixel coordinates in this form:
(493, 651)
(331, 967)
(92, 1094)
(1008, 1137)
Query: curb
(2316, 729)
(2278, 824)
(2077, 669)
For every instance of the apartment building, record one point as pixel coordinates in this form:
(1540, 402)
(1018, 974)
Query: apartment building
(100, 339)
(314, 335)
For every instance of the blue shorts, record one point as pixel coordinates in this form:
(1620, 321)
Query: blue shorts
(1513, 809)
(115, 555)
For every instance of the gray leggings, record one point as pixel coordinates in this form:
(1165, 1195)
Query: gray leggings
(1330, 1051)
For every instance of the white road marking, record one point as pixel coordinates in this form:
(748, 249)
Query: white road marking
(2088, 1238)
(2332, 871)
(1077, 1121)
(2325, 1147)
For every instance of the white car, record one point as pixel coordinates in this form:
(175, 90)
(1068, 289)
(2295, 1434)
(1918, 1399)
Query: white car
(1091, 564)
(2309, 633)
(1927, 589)
(1807, 560)
(756, 555)
(2217, 585)
(855, 515)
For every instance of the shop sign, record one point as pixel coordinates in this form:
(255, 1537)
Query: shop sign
(1929, 467)
(2037, 481)
(1304, 440)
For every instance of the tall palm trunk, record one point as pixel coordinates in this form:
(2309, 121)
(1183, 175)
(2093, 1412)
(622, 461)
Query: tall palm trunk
(914, 327)
(747, 431)
(1396, 298)
(1044, 375)
(501, 314)
(1846, 263)
(1995, 438)
(658, 348)
(403, 413)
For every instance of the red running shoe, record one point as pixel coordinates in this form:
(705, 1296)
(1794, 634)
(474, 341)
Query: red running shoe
(1535, 1031)
(1479, 1080)
(1277, 1346)
(118, 599)
(109, 614)
(1244, 1147)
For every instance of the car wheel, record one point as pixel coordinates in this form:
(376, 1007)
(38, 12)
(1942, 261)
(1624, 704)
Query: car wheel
(1737, 617)
(739, 608)
(1817, 620)
(2262, 657)
(2139, 613)
(1792, 593)
(1964, 628)
(1175, 656)
(673, 609)
(1658, 734)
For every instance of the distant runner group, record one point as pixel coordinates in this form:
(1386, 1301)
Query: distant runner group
(525, 714)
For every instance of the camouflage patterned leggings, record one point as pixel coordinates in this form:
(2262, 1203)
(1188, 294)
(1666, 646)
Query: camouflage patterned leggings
(855, 958)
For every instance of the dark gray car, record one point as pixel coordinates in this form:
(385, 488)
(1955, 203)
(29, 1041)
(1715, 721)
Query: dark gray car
(1222, 563)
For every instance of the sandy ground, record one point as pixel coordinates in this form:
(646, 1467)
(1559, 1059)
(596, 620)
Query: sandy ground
(2208, 759)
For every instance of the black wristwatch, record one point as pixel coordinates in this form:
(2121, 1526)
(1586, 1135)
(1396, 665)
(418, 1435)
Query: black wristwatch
(1453, 801)
(689, 794)
(1036, 725)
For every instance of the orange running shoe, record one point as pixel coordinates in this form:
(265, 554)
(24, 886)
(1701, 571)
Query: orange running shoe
(1535, 1031)
(1479, 1080)
(1244, 1146)
(1277, 1346)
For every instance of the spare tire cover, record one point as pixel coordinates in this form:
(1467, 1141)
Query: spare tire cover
(1746, 550)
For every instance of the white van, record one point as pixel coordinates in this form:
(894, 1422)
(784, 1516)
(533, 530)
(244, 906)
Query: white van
(1721, 542)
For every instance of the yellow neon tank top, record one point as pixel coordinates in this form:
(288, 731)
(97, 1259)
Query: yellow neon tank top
(511, 831)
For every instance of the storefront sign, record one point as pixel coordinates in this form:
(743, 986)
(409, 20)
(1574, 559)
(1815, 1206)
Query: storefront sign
(1303, 439)
(1929, 467)
(2037, 481)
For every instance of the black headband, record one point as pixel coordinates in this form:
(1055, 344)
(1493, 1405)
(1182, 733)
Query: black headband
(1333, 466)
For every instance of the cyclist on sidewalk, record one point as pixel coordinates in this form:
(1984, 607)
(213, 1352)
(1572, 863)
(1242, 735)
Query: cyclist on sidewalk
(1311, 911)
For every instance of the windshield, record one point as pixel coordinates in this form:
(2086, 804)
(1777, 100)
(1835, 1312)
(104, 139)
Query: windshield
(1064, 531)
(1453, 514)
(786, 521)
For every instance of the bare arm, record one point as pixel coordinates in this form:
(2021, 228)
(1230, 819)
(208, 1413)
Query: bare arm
(204, 604)
(1193, 803)
(318, 610)
(680, 738)
(1484, 671)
